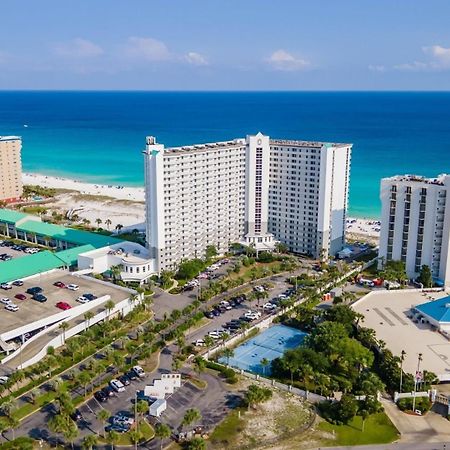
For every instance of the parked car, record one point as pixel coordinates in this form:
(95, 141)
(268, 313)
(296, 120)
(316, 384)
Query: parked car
(117, 428)
(199, 343)
(131, 375)
(6, 286)
(122, 418)
(139, 371)
(82, 299)
(108, 391)
(59, 284)
(90, 297)
(18, 283)
(76, 415)
(4, 379)
(5, 301)
(101, 396)
(39, 298)
(20, 296)
(117, 385)
(12, 307)
(209, 314)
(63, 305)
(73, 287)
(124, 380)
(34, 290)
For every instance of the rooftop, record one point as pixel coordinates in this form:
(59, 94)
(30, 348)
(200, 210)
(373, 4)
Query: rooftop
(439, 180)
(209, 146)
(437, 309)
(31, 265)
(10, 138)
(308, 144)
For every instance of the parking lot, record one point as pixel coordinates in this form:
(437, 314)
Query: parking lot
(31, 310)
(280, 286)
(14, 254)
(387, 313)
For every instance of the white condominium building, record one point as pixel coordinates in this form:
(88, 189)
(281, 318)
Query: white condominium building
(254, 191)
(10, 168)
(415, 223)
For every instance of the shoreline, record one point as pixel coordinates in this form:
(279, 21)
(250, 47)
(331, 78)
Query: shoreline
(124, 205)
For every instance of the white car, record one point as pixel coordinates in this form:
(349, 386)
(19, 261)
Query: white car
(12, 307)
(4, 379)
(214, 335)
(283, 297)
(5, 301)
(225, 304)
(259, 288)
(73, 287)
(269, 306)
(139, 371)
(199, 343)
(82, 299)
(6, 286)
(117, 385)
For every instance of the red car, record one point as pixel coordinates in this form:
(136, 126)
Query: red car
(20, 296)
(59, 284)
(63, 305)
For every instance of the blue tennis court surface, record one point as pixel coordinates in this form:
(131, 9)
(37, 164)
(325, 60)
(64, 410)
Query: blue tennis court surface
(269, 344)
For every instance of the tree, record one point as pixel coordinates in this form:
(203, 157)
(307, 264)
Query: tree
(196, 443)
(162, 431)
(84, 378)
(63, 326)
(264, 363)
(109, 306)
(112, 438)
(119, 227)
(228, 353)
(346, 408)
(98, 221)
(191, 415)
(115, 272)
(108, 223)
(210, 252)
(199, 364)
(103, 415)
(71, 432)
(89, 442)
(364, 415)
(425, 277)
(88, 315)
(256, 394)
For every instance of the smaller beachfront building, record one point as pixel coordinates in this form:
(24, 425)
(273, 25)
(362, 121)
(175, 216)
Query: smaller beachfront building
(71, 249)
(437, 313)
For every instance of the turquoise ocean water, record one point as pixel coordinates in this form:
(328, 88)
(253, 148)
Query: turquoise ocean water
(99, 136)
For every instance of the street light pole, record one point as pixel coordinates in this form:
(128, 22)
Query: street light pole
(402, 358)
(415, 381)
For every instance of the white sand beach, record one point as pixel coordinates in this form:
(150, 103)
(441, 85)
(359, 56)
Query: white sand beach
(121, 205)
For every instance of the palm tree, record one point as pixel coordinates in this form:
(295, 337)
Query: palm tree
(109, 306)
(209, 342)
(98, 221)
(88, 315)
(89, 442)
(86, 222)
(162, 431)
(13, 423)
(264, 362)
(108, 223)
(192, 415)
(84, 378)
(115, 272)
(119, 227)
(112, 438)
(103, 415)
(63, 326)
(228, 353)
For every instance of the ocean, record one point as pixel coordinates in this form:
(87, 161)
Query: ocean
(98, 136)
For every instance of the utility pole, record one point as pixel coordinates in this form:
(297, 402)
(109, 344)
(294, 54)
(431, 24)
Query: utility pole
(419, 360)
(402, 358)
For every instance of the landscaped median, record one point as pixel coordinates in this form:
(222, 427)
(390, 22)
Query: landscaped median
(143, 434)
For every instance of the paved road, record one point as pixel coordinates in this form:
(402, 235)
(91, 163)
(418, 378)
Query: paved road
(395, 446)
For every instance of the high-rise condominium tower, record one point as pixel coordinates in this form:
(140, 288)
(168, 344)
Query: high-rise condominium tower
(415, 225)
(254, 191)
(10, 168)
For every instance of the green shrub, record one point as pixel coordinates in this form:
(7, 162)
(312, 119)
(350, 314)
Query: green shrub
(423, 404)
(20, 443)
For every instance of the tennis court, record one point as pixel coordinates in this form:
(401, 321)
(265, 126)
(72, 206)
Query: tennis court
(269, 344)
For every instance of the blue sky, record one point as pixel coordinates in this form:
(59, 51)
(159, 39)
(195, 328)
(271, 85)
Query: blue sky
(225, 44)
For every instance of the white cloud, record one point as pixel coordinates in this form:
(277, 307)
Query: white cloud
(438, 59)
(285, 61)
(148, 49)
(377, 68)
(196, 59)
(78, 48)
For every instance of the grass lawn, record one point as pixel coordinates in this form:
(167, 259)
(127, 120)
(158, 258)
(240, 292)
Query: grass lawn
(225, 433)
(378, 430)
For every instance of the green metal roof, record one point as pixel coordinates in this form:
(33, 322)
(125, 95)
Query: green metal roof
(28, 265)
(70, 256)
(10, 216)
(70, 235)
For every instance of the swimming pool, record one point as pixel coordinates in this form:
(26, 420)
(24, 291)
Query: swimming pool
(269, 344)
